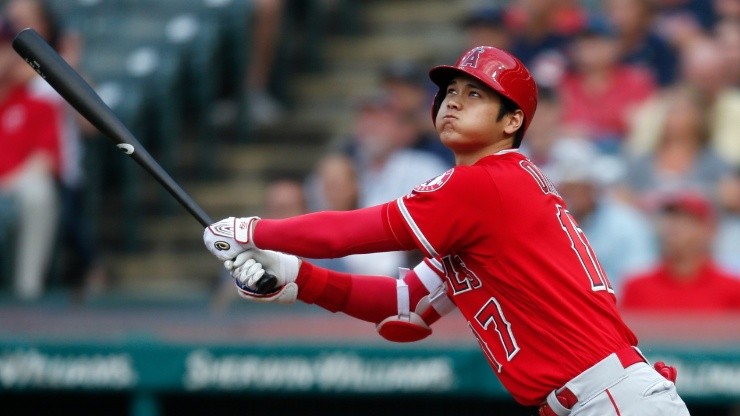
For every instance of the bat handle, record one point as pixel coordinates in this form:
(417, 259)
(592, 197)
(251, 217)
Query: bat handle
(267, 283)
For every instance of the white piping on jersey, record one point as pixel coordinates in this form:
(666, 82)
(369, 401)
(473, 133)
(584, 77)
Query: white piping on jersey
(415, 228)
(402, 296)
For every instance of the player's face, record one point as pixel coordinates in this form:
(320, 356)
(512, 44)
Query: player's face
(467, 118)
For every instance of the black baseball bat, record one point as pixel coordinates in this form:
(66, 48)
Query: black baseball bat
(78, 93)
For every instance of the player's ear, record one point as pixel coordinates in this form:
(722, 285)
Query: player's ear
(513, 121)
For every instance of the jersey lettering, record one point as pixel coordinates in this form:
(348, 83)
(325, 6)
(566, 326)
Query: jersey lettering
(486, 350)
(583, 250)
(491, 313)
(543, 181)
(460, 277)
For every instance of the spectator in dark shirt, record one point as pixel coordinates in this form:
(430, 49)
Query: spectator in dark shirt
(638, 43)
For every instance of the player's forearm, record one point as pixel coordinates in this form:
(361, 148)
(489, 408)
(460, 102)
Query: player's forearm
(369, 298)
(331, 234)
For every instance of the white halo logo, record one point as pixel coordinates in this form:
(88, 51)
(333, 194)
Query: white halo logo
(127, 148)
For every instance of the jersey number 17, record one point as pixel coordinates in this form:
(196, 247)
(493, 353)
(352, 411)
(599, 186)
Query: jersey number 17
(584, 252)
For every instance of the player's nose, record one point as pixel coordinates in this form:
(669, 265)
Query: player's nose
(453, 103)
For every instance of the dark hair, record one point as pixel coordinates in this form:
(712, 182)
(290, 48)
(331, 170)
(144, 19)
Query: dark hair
(507, 107)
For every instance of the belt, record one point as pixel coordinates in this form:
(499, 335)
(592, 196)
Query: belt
(567, 399)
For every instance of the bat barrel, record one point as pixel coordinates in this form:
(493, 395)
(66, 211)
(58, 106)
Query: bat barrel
(75, 90)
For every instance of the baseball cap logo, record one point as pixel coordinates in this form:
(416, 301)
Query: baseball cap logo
(472, 59)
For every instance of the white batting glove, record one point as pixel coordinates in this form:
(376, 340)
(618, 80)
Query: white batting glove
(248, 267)
(230, 236)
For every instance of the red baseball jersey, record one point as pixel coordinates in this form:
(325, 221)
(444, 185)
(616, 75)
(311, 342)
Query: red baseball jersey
(710, 290)
(27, 125)
(519, 269)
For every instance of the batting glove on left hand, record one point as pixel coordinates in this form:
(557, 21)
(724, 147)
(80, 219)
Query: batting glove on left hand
(230, 236)
(248, 267)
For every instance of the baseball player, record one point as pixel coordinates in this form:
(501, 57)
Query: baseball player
(500, 245)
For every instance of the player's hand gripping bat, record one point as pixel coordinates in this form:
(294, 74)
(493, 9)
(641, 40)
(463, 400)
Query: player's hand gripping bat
(77, 92)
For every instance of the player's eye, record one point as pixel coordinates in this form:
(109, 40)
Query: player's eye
(474, 93)
(451, 91)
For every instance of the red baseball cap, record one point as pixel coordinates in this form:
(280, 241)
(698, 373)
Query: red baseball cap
(692, 203)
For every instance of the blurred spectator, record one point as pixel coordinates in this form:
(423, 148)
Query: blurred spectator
(29, 137)
(545, 130)
(83, 270)
(569, 17)
(541, 31)
(387, 168)
(380, 146)
(284, 198)
(264, 108)
(638, 43)
(727, 9)
(334, 186)
(620, 236)
(727, 244)
(704, 68)
(684, 22)
(599, 94)
(727, 33)
(407, 88)
(686, 279)
(681, 158)
(486, 26)
(700, 11)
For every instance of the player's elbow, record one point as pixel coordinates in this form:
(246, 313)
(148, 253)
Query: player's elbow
(409, 328)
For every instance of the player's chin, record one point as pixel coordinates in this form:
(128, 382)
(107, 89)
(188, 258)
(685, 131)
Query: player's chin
(452, 139)
(447, 133)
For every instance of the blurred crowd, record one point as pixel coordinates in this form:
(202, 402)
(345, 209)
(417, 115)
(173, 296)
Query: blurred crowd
(638, 124)
(41, 176)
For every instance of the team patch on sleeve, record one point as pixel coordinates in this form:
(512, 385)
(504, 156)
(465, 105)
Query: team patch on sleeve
(436, 183)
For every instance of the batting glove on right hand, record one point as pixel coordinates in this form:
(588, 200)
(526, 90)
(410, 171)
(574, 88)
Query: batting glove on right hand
(248, 267)
(230, 236)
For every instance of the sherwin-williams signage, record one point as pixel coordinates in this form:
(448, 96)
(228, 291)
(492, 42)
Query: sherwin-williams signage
(152, 366)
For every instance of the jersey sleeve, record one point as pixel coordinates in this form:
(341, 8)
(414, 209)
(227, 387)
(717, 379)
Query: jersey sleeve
(331, 234)
(375, 298)
(444, 214)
